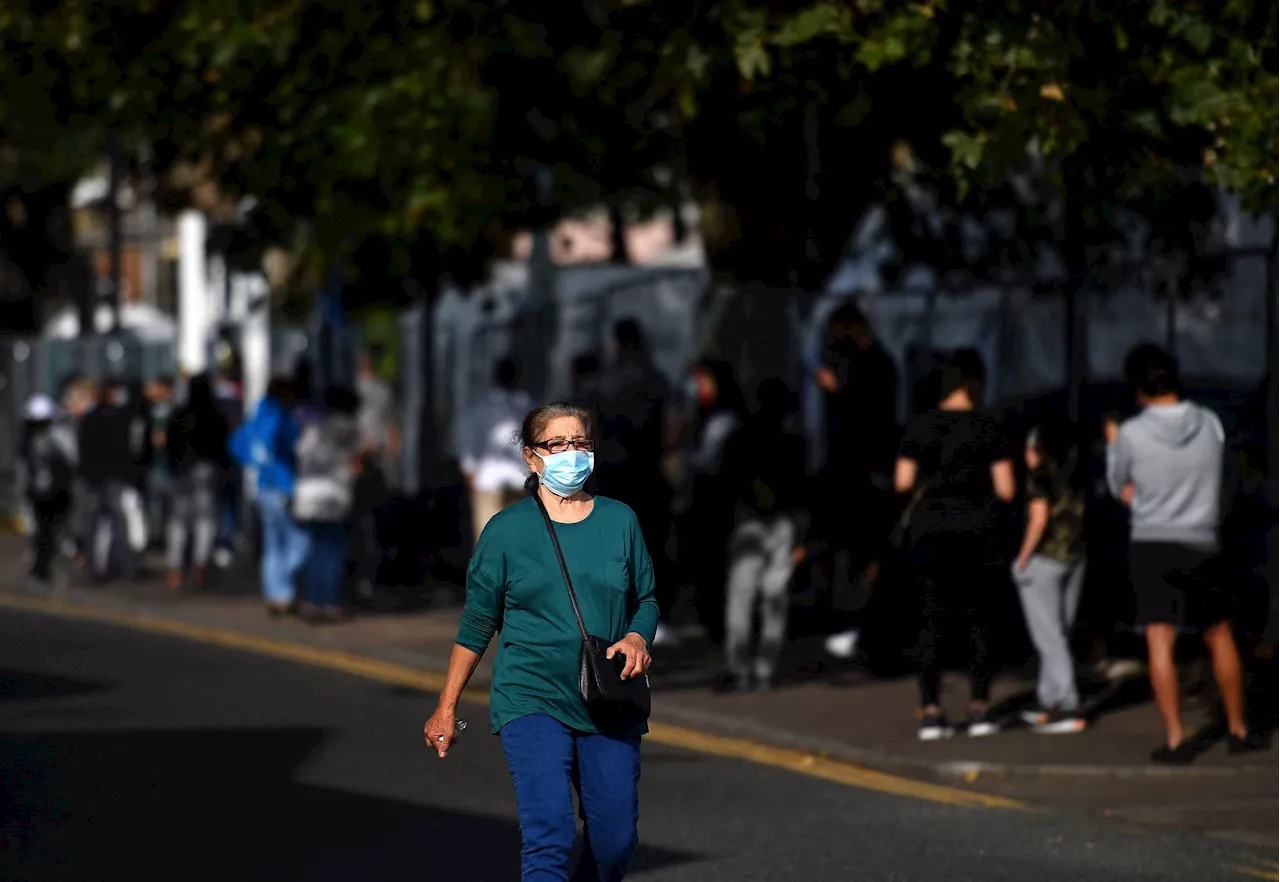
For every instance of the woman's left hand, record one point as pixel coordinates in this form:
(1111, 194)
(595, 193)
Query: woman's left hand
(636, 650)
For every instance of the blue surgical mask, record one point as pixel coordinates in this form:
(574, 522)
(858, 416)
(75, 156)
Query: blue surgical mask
(564, 474)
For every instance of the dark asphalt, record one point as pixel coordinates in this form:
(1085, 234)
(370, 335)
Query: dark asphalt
(131, 756)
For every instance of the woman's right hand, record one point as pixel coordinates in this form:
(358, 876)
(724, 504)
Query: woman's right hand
(439, 730)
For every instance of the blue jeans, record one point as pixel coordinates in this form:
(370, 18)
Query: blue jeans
(326, 562)
(549, 761)
(229, 509)
(284, 547)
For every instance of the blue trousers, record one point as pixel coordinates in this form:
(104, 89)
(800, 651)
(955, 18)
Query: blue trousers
(548, 762)
(284, 547)
(326, 567)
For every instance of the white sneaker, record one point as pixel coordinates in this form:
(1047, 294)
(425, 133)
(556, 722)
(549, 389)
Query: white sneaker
(935, 727)
(1034, 716)
(843, 644)
(1061, 723)
(1124, 669)
(666, 636)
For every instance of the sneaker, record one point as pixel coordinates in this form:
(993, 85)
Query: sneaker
(1034, 716)
(982, 725)
(666, 636)
(1124, 669)
(728, 683)
(843, 644)
(934, 727)
(1250, 743)
(1060, 723)
(1181, 755)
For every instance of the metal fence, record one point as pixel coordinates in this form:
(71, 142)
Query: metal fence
(31, 365)
(473, 331)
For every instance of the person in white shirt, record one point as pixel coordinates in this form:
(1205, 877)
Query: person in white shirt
(491, 458)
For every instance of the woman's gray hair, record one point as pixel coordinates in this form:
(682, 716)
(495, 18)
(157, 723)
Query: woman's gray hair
(536, 422)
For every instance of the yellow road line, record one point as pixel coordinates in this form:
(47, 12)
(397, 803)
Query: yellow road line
(802, 763)
(827, 769)
(1261, 868)
(1258, 874)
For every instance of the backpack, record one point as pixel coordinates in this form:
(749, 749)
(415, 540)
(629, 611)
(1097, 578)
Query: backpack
(50, 471)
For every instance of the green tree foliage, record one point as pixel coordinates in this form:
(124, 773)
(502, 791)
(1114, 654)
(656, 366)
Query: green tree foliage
(404, 137)
(1140, 106)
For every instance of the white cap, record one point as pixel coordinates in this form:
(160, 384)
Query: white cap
(41, 408)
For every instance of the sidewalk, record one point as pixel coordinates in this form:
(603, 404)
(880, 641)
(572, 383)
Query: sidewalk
(836, 711)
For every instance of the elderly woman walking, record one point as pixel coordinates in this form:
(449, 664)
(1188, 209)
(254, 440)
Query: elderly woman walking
(567, 581)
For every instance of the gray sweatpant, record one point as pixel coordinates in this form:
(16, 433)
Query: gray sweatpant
(1050, 593)
(760, 567)
(193, 516)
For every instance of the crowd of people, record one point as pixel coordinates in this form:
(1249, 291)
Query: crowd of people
(944, 510)
(116, 469)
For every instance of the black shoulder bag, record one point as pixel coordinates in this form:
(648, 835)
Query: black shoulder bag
(610, 699)
(900, 535)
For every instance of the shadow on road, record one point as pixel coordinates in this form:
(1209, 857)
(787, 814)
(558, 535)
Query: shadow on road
(29, 686)
(220, 804)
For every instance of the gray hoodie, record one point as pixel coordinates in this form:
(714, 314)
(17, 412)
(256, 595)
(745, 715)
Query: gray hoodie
(1172, 455)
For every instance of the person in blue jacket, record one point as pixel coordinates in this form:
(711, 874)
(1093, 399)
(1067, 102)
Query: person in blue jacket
(266, 443)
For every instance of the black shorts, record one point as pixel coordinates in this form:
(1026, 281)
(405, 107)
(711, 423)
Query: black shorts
(1178, 584)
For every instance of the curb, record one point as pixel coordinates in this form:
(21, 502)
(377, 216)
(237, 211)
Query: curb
(951, 769)
(681, 723)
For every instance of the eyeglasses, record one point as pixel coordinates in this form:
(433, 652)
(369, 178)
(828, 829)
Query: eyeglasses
(560, 445)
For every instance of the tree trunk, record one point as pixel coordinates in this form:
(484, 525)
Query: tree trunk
(618, 235)
(1075, 256)
(115, 222)
(35, 235)
(421, 449)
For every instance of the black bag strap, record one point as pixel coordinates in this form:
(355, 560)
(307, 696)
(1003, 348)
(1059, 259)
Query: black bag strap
(564, 569)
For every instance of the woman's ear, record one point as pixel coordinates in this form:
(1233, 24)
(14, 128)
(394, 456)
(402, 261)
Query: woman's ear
(531, 460)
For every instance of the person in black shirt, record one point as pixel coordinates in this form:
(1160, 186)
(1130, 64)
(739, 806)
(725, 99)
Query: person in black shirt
(109, 468)
(860, 384)
(860, 381)
(763, 472)
(632, 397)
(956, 465)
(196, 445)
(584, 380)
(160, 405)
(719, 409)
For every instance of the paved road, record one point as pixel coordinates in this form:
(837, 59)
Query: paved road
(126, 755)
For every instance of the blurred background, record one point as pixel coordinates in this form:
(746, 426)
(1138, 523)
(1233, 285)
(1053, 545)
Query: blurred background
(407, 194)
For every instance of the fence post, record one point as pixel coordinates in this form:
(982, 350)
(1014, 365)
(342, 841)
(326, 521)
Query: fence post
(536, 342)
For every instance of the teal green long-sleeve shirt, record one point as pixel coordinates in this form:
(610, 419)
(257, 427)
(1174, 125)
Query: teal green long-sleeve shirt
(515, 590)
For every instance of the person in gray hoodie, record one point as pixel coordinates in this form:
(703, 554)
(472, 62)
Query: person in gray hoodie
(1166, 465)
